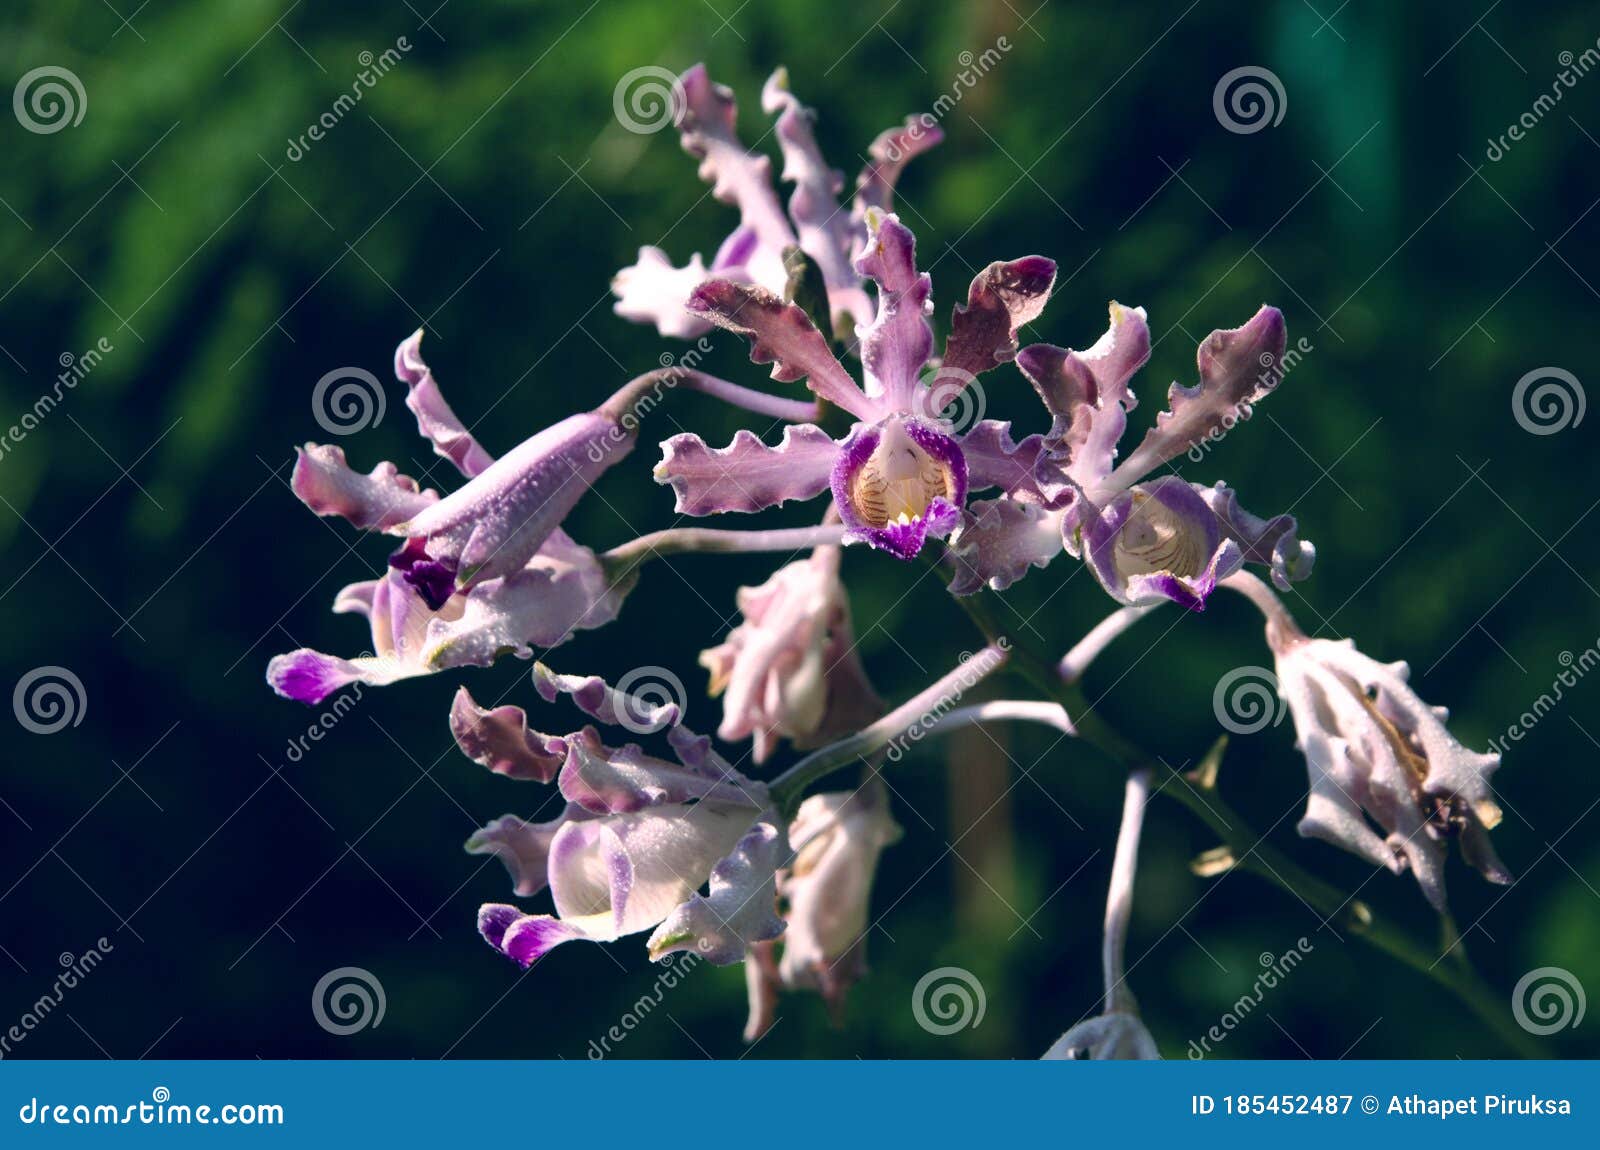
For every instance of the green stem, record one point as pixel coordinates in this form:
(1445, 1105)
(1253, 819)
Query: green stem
(1250, 852)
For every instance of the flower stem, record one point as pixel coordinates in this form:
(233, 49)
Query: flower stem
(1250, 852)
(678, 540)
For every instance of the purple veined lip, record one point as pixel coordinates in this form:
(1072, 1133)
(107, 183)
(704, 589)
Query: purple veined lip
(899, 482)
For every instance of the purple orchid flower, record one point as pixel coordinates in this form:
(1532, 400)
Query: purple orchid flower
(484, 570)
(790, 670)
(902, 473)
(654, 291)
(1146, 540)
(638, 838)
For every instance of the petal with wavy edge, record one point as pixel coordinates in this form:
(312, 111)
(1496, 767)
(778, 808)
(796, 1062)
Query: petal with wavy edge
(1274, 543)
(896, 346)
(523, 847)
(824, 231)
(652, 290)
(993, 460)
(435, 420)
(618, 780)
(501, 740)
(1003, 298)
(324, 482)
(887, 158)
(747, 475)
(1237, 368)
(739, 911)
(780, 333)
(999, 541)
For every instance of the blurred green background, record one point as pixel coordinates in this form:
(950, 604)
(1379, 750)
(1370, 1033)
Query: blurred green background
(485, 189)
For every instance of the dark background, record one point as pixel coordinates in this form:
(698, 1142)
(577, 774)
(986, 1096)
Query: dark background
(484, 189)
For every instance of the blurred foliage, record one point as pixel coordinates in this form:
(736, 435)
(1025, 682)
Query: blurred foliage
(484, 189)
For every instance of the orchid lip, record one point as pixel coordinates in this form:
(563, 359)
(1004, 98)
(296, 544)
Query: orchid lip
(898, 482)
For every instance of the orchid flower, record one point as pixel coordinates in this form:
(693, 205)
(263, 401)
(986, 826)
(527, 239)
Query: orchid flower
(790, 670)
(484, 570)
(1145, 539)
(652, 290)
(902, 473)
(1378, 756)
(637, 839)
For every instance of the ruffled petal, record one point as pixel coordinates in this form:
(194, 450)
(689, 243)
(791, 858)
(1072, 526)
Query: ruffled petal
(896, 346)
(523, 847)
(999, 541)
(707, 123)
(824, 230)
(888, 156)
(652, 290)
(496, 523)
(324, 482)
(523, 938)
(435, 420)
(1274, 543)
(747, 475)
(618, 780)
(1002, 299)
(501, 740)
(780, 333)
(1237, 367)
(739, 911)
(993, 460)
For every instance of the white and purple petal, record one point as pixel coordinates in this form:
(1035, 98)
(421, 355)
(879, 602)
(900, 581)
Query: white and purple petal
(500, 739)
(324, 482)
(740, 909)
(747, 475)
(435, 420)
